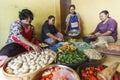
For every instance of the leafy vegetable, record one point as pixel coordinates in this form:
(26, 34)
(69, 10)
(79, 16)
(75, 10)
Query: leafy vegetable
(71, 57)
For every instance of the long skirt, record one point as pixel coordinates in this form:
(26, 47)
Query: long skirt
(12, 49)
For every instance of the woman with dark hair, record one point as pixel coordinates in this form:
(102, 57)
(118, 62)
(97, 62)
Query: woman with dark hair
(72, 20)
(21, 37)
(50, 34)
(106, 30)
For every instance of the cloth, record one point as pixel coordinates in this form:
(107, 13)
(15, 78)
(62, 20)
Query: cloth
(16, 30)
(109, 39)
(73, 21)
(55, 47)
(46, 28)
(110, 25)
(12, 49)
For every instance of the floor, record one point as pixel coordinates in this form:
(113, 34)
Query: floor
(110, 59)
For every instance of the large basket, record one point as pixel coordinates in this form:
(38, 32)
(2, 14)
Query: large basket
(26, 76)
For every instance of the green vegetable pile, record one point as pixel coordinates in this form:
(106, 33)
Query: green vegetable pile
(71, 57)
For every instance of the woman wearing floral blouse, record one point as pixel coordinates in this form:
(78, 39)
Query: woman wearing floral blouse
(21, 37)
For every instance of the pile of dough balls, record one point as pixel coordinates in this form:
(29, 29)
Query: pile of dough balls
(30, 62)
(92, 54)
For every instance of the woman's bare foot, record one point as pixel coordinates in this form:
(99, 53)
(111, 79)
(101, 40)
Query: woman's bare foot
(3, 60)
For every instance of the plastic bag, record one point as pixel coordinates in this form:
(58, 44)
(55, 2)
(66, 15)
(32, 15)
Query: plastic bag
(63, 75)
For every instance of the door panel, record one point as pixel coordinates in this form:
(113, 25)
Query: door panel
(64, 10)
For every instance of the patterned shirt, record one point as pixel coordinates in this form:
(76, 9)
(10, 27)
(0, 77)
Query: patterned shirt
(16, 30)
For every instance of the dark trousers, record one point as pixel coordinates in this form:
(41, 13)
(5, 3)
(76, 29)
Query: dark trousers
(88, 39)
(12, 49)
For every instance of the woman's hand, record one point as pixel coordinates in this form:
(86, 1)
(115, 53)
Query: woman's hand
(60, 39)
(65, 31)
(37, 48)
(97, 34)
(93, 36)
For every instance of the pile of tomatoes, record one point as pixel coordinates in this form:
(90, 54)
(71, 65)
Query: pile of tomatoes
(50, 73)
(90, 73)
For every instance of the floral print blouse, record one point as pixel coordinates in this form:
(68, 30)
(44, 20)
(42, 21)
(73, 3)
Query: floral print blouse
(16, 30)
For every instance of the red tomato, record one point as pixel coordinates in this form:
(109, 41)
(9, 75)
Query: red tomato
(42, 78)
(93, 78)
(100, 68)
(91, 72)
(84, 74)
(47, 79)
(50, 76)
(92, 68)
(115, 77)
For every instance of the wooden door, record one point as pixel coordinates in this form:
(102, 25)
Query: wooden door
(64, 10)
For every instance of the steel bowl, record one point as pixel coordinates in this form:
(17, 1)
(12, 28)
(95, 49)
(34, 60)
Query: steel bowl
(38, 75)
(84, 66)
(73, 33)
(99, 61)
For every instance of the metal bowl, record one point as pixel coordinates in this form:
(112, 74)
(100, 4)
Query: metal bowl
(72, 65)
(75, 65)
(90, 64)
(98, 61)
(84, 66)
(73, 33)
(38, 75)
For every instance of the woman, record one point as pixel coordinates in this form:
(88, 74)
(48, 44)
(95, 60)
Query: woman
(72, 20)
(50, 34)
(21, 37)
(106, 30)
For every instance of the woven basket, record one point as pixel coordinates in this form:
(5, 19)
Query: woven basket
(26, 76)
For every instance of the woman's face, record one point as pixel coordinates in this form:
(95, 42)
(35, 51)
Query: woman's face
(52, 21)
(103, 16)
(72, 10)
(27, 21)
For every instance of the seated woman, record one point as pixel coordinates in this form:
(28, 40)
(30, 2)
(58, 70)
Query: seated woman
(21, 37)
(72, 20)
(50, 34)
(106, 30)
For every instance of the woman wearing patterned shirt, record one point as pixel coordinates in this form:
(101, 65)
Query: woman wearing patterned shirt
(21, 37)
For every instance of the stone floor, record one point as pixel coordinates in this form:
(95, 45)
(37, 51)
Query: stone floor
(110, 59)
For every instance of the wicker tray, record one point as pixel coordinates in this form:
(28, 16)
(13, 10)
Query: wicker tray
(26, 76)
